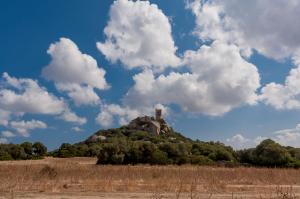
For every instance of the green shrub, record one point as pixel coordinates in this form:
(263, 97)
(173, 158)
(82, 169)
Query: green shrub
(4, 155)
(201, 160)
(17, 152)
(39, 149)
(159, 157)
(27, 146)
(269, 153)
(110, 154)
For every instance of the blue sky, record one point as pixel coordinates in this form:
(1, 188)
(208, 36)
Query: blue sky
(218, 73)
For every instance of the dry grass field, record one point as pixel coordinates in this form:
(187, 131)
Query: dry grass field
(81, 178)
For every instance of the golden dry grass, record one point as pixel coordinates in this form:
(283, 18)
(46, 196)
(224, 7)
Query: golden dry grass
(79, 176)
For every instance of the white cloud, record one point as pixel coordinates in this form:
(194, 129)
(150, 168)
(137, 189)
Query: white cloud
(69, 116)
(7, 134)
(218, 77)
(26, 96)
(268, 26)
(80, 94)
(284, 96)
(124, 114)
(139, 35)
(285, 137)
(213, 24)
(75, 73)
(219, 80)
(105, 118)
(238, 141)
(23, 127)
(77, 129)
(4, 117)
(288, 137)
(3, 141)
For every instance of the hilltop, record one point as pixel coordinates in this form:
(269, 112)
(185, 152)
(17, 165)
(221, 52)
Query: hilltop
(150, 140)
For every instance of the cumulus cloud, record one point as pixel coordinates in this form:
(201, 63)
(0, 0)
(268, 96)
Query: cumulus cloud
(284, 96)
(212, 23)
(26, 96)
(23, 127)
(111, 111)
(138, 34)
(285, 137)
(288, 137)
(75, 73)
(77, 129)
(70, 116)
(4, 117)
(265, 25)
(7, 134)
(105, 118)
(219, 80)
(124, 114)
(238, 141)
(80, 94)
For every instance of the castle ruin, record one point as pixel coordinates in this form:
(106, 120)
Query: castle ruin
(153, 125)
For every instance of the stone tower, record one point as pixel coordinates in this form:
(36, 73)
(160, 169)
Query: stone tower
(158, 114)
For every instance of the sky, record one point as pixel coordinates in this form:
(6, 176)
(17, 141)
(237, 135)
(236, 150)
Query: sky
(224, 71)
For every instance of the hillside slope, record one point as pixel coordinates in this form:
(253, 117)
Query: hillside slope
(128, 146)
(150, 140)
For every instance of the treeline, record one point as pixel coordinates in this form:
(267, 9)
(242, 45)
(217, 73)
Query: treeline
(124, 146)
(270, 154)
(143, 152)
(24, 151)
(121, 146)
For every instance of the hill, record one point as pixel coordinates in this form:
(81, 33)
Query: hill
(130, 146)
(126, 145)
(150, 140)
(147, 140)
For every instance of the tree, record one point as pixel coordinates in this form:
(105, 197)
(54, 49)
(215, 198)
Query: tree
(134, 154)
(147, 149)
(270, 153)
(110, 154)
(200, 160)
(66, 150)
(81, 150)
(27, 146)
(4, 155)
(17, 152)
(93, 150)
(246, 156)
(159, 157)
(39, 149)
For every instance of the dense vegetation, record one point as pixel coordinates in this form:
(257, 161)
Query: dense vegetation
(23, 151)
(125, 146)
(269, 153)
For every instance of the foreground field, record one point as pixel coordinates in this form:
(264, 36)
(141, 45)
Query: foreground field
(81, 178)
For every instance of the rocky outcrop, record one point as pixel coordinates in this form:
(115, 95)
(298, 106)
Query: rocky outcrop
(153, 125)
(96, 138)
